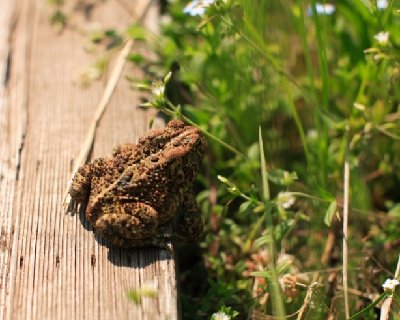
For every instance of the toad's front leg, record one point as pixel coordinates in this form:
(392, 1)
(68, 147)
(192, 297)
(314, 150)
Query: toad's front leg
(189, 226)
(80, 186)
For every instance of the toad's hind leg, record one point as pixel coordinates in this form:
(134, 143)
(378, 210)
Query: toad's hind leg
(129, 225)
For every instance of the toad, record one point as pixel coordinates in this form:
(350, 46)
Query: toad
(135, 196)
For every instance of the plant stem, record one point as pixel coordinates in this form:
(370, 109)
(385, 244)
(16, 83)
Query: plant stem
(323, 66)
(306, 49)
(387, 133)
(300, 128)
(346, 174)
(322, 58)
(278, 306)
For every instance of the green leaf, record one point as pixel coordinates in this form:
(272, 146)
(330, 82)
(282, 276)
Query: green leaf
(369, 307)
(136, 32)
(245, 206)
(325, 194)
(262, 241)
(58, 19)
(135, 296)
(355, 139)
(259, 209)
(329, 213)
(253, 152)
(264, 173)
(145, 292)
(283, 267)
(135, 58)
(282, 177)
(395, 210)
(111, 33)
(264, 274)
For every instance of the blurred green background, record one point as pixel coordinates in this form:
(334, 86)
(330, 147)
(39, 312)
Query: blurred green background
(321, 81)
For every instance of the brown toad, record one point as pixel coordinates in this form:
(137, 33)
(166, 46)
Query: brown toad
(134, 195)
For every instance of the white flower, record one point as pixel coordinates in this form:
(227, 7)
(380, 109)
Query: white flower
(197, 7)
(359, 106)
(220, 316)
(322, 8)
(165, 19)
(382, 4)
(223, 179)
(158, 88)
(382, 37)
(390, 284)
(312, 134)
(286, 199)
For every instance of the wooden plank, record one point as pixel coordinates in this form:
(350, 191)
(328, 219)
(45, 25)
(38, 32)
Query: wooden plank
(51, 265)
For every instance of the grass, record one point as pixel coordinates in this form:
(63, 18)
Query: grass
(320, 88)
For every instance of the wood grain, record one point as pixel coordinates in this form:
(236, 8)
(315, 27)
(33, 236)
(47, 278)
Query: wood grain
(51, 264)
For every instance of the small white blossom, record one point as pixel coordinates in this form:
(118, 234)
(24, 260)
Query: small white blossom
(158, 88)
(223, 179)
(197, 7)
(220, 316)
(286, 199)
(390, 284)
(359, 106)
(322, 8)
(165, 19)
(379, 56)
(312, 134)
(382, 4)
(382, 37)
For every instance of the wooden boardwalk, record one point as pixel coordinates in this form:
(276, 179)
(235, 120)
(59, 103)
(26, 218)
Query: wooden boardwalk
(51, 265)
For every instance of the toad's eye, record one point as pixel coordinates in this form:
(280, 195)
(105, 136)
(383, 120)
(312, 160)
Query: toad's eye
(176, 143)
(128, 175)
(146, 150)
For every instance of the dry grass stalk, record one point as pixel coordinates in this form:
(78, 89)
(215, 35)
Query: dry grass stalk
(104, 102)
(346, 199)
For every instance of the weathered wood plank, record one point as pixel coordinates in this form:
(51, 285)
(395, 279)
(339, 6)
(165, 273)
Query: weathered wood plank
(51, 265)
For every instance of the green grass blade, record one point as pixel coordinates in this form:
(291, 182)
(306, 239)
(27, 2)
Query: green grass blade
(278, 307)
(369, 307)
(322, 59)
(264, 172)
